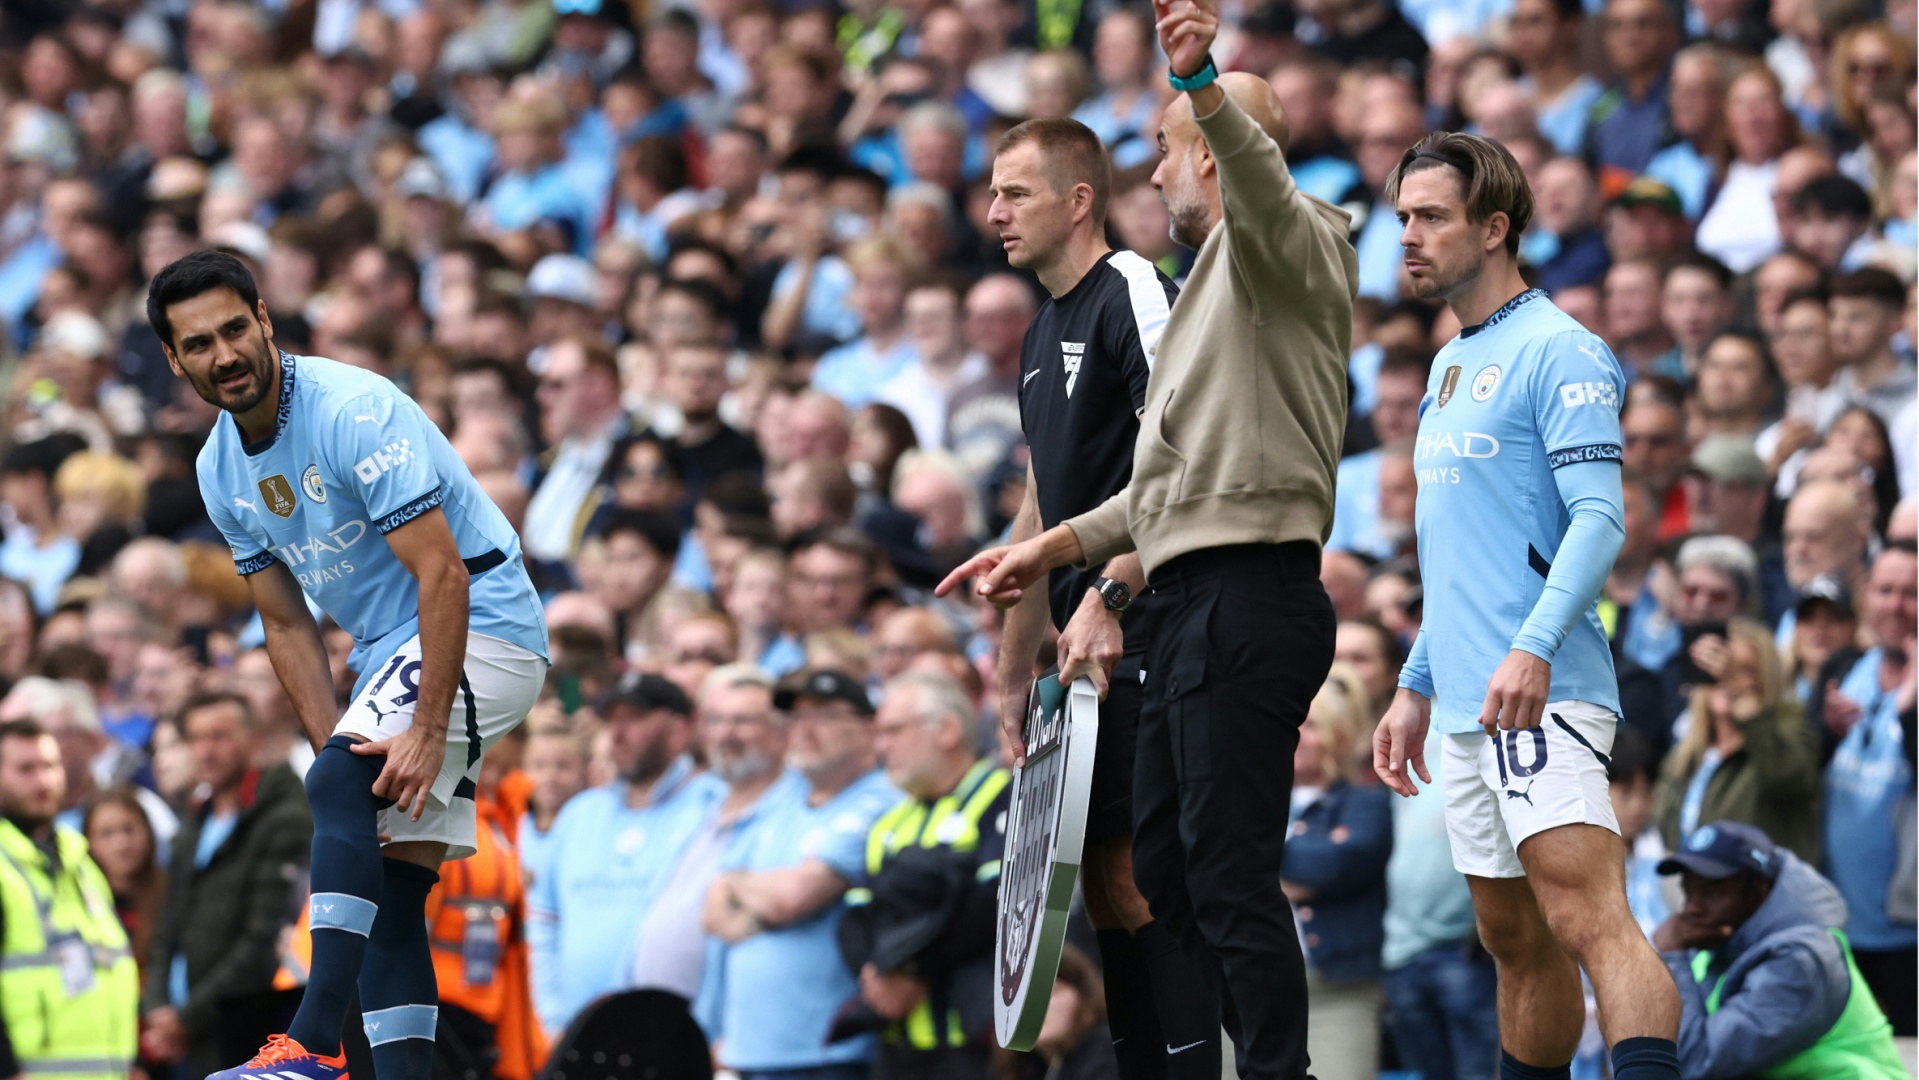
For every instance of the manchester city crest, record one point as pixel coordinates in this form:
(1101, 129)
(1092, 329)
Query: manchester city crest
(310, 483)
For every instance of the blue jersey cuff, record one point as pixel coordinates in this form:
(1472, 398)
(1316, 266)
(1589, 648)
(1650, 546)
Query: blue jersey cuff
(253, 564)
(410, 511)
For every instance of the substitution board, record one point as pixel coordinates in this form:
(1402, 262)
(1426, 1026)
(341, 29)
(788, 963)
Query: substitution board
(1046, 832)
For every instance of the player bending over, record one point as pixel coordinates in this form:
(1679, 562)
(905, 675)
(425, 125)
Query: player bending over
(328, 481)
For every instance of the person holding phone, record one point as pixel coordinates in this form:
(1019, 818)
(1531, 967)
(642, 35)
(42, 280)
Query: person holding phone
(1748, 755)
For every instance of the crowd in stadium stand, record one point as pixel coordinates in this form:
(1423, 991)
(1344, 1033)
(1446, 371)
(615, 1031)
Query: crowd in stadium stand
(704, 295)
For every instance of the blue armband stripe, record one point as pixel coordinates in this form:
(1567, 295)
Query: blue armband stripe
(1590, 452)
(253, 564)
(410, 511)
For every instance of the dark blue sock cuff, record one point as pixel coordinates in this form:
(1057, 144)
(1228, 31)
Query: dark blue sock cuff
(399, 870)
(1645, 1059)
(1511, 1068)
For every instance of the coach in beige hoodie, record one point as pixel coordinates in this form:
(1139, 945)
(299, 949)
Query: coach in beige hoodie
(1231, 496)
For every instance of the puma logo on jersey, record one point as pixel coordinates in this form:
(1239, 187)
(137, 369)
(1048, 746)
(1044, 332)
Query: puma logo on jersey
(1072, 353)
(366, 419)
(243, 504)
(1592, 352)
(1513, 793)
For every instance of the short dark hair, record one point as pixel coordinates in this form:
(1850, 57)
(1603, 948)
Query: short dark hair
(671, 456)
(1070, 155)
(1493, 182)
(207, 699)
(844, 539)
(1812, 294)
(1720, 273)
(1390, 650)
(1833, 196)
(74, 661)
(658, 160)
(1411, 362)
(704, 293)
(738, 494)
(657, 529)
(1871, 283)
(23, 729)
(43, 456)
(1632, 758)
(188, 277)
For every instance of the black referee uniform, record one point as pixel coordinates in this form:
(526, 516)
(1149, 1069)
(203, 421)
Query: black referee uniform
(1083, 370)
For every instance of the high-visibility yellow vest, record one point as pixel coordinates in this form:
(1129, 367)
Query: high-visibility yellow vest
(69, 987)
(1858, 1046)
(950, 822)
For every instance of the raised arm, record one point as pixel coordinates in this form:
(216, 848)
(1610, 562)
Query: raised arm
(1280, 246)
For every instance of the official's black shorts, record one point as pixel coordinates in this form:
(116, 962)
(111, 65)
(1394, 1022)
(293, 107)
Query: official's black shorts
(1109, 812)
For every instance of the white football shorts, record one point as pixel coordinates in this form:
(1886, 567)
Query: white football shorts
(497, 689)
(1502, 790)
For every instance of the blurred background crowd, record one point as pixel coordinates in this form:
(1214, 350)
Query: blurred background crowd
(703, 293)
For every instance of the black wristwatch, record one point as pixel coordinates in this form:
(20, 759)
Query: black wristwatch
(1114, 594)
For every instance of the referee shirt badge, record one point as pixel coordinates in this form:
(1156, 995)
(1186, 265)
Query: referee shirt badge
(1072, 354)
(1448, 384)
(278, 494)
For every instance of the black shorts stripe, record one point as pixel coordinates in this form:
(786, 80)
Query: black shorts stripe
(473, 747)
(1581, 740)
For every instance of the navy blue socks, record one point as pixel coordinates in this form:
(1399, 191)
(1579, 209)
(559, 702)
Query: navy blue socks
(1511, 1068)
(346, 886)
(398, 989)
(1645, 1059)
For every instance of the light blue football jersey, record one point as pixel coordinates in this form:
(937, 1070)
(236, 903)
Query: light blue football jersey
(351, 459)
(1523, 393)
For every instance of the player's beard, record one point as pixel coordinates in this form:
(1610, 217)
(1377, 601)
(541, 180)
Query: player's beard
(259, 365)
(1185, 209)
(1443, 282)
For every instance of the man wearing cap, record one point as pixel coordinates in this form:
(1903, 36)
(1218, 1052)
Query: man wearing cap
(1767, 981)
(612, 849)
(563, 290)
(744, 740)
(1729, 491)
(774, 975)
(1646, 221)
(1825, 629)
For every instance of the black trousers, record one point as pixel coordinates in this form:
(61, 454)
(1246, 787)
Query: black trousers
(1243, 645)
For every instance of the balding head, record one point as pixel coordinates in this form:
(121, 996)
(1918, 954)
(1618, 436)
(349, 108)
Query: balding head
(1822, 532)
(1254, 96)
(1186, 178)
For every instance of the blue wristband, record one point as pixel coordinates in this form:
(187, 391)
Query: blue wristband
(1202, 78)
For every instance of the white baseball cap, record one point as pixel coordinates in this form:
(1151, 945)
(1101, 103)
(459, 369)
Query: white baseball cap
(564, 277)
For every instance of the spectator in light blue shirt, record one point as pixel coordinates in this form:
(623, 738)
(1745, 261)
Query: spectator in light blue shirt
(882, 270)
(1545, 39)
(774, 975)
(1695, 97)
(534, 184)
(1869, 783)
(1356, 526)
(555, 761)
(1384, 136)
(612, 849)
